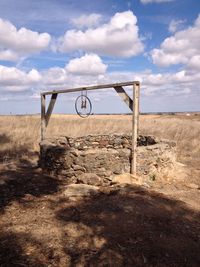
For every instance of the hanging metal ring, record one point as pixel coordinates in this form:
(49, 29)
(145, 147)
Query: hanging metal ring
(83, 105)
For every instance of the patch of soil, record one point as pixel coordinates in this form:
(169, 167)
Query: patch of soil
(121, 226)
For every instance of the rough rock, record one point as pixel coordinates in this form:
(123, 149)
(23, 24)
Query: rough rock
(2, 182)
(126, 178)
(193, 186)
(90, 179)
(80, 190)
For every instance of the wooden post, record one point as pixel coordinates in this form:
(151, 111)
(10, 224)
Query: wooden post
(135, 120)
(43, 117)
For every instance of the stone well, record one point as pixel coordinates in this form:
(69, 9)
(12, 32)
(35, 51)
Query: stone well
(104, 155)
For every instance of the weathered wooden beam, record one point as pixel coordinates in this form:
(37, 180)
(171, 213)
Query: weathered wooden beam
(95, 87)
(50, 108)
(43, 118)
(122, 93)
(135, 122)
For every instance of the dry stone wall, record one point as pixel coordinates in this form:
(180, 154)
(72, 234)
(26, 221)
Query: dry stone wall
(99, 157)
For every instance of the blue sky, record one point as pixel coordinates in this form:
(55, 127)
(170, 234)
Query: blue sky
(56, 44)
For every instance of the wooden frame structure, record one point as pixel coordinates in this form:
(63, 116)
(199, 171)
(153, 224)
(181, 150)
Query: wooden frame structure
(132, 103)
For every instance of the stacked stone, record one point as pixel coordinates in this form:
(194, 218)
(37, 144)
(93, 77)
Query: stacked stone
(101, 155)
(108, 141)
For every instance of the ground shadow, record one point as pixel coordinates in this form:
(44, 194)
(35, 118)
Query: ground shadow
(8, 155)
(4, 139)
(23, 180)
(15, 251)
(121, 226)
(131, 227)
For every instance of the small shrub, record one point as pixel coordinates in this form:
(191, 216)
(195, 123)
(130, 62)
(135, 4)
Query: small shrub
(152, 177)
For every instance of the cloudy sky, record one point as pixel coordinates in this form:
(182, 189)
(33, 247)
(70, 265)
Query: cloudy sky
(56, 44)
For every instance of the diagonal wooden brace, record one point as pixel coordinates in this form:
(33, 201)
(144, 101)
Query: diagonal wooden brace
(126, 98)
(50, 108)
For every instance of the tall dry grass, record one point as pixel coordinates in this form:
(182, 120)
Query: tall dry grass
(21, 134)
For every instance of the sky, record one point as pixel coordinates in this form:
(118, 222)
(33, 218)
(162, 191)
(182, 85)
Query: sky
(56, 44)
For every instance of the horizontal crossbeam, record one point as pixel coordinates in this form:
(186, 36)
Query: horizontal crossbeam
(88, 88)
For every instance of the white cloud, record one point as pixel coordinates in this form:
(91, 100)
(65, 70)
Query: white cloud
(183, 82)
(194, 63)
(15, 43)
(4, 98)
(159, 84)
(175, 25)
(8, 55)
(35, 95)
(58, 78)
(155, 1)
(13, 79)
(86, 21)
(118, 38)
(55, 77)
(34, 76)
(90, 64)
(179, 48)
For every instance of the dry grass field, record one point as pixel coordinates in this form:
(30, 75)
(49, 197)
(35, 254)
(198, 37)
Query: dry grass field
(130, 226)
(20, 135)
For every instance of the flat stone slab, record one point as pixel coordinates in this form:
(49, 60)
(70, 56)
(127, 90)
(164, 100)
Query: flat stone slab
(89, 179)
(126, 178)
(193, 186)
(80, 190)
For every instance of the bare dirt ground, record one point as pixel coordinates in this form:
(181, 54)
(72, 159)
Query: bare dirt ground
(127, 225)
